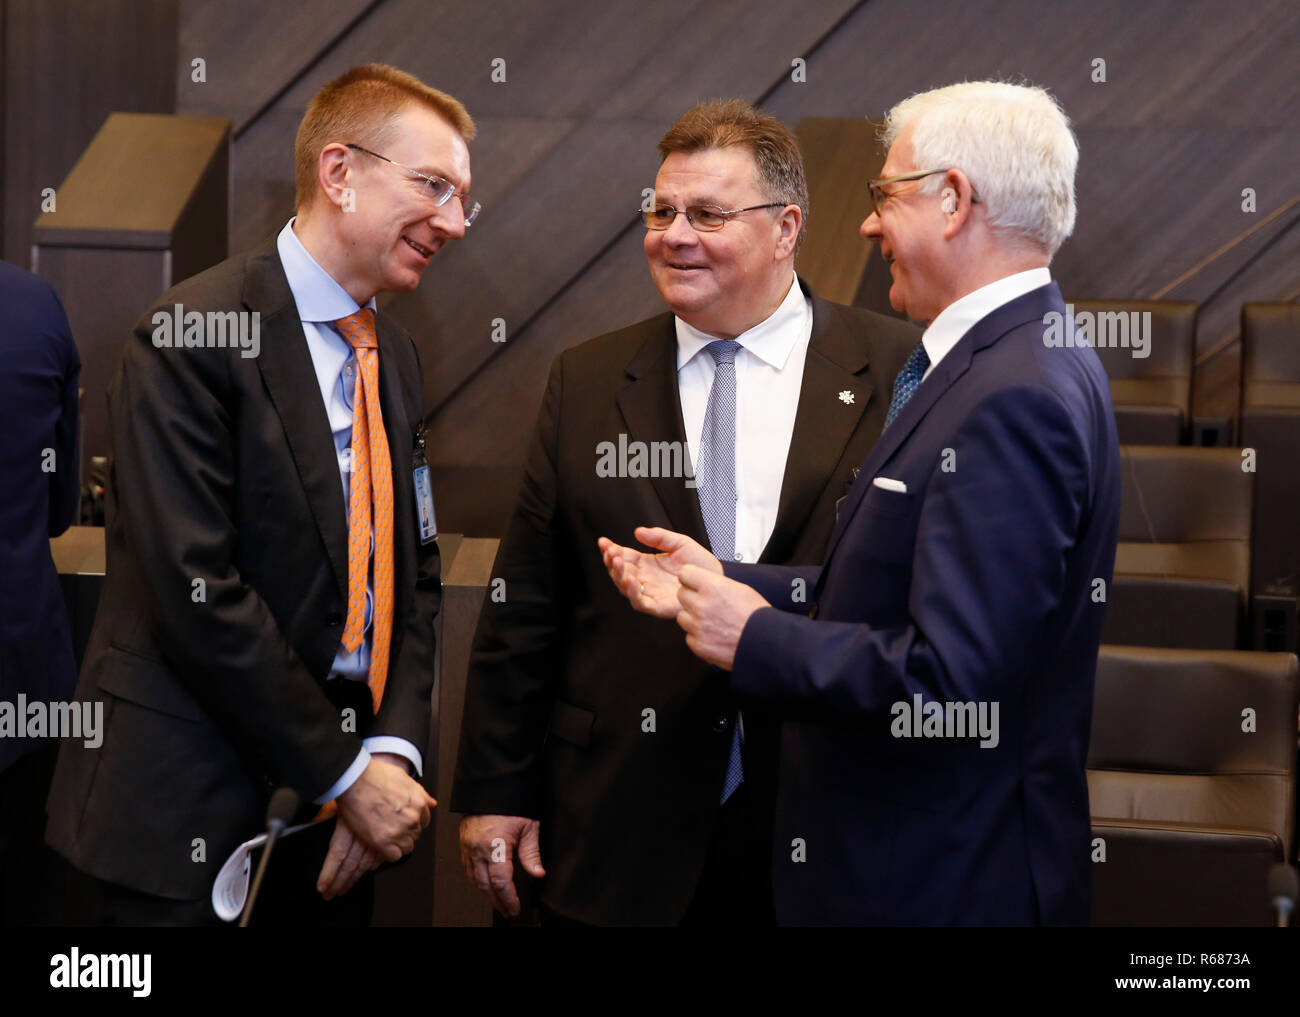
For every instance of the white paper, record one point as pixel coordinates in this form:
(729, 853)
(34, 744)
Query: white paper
(230, 891)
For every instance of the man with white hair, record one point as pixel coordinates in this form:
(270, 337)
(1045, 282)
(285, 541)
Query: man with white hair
(935, 673)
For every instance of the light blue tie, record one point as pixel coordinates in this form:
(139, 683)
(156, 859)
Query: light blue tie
(907, 382)
(715, 479)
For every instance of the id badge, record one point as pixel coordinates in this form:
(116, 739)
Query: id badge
(425, 519)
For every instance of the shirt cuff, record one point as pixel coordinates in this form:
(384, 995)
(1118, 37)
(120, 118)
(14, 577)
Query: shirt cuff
(397, 746)
(350, 776)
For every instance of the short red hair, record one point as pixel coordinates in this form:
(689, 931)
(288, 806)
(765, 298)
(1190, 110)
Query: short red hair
(361, 107)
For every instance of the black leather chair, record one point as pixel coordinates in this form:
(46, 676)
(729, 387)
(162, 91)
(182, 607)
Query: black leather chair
(1191, 783)
(1182, 567)
(1153, 393)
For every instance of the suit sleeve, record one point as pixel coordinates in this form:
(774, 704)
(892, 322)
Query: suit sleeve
(516, 655)
(785, 587)
(988, 571)
(174, 477)
(65, 491)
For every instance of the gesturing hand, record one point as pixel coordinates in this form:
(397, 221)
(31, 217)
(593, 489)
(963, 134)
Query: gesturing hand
(714, 610)
(649, 581)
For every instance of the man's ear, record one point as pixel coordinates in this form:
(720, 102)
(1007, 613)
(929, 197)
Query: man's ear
(334, 176)
(956, 205)
(790, 222)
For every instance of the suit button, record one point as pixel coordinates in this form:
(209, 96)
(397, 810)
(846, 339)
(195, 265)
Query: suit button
(721, 723)
(334, 619)
(812, 612)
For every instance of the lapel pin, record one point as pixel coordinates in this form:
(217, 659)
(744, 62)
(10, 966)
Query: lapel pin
(846, 397)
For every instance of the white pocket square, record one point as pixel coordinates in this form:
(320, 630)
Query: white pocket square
(890, 485)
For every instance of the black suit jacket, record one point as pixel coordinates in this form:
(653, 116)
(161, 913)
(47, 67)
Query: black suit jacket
(38, 416)
(564, 674)
(224, 471)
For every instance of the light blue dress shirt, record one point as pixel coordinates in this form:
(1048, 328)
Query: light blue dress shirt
(321, 302)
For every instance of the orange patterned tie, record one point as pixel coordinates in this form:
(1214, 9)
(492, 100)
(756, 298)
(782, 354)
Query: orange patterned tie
(371, 483)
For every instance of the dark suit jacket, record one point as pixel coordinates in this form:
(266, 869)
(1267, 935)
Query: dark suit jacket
(563, 671)
(38, 412)
(976, 585)
(224, 470)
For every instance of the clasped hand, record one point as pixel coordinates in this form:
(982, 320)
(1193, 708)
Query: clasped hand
(380, 818)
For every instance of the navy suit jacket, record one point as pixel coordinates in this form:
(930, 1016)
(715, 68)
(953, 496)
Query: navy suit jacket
(979, 584)
(38, 461)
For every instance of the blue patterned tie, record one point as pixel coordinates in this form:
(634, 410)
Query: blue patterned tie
(907, 382)
(715, 480)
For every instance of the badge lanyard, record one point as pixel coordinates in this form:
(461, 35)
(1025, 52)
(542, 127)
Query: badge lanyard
(425, 520)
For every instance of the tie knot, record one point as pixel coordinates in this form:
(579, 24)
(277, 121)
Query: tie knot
(919, 360)
(359, 329)
(723, 351)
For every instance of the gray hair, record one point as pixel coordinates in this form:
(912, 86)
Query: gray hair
(1013, 142)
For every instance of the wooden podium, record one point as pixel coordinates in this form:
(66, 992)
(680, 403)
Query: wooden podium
(145, 206)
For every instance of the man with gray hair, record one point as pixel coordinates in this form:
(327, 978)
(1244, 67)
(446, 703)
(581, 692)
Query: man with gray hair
(937, 683)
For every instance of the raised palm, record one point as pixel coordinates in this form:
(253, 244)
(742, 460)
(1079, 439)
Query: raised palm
(649, 581)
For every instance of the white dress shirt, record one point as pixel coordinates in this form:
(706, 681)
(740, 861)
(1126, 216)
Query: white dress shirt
(769, 375)
(955, 320)
(321, 302)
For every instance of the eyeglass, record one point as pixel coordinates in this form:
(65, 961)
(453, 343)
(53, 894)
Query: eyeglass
(704, 218)
(876, 187)
(437, 189)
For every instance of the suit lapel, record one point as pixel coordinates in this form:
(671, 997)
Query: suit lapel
(824, 422)
(286, 368)
(985, 332)
(652, 408)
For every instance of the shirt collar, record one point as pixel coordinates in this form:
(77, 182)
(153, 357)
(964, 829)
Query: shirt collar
(318, 296)
(771, 340)
(955, 320)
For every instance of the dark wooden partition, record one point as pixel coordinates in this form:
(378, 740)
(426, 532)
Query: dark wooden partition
(1194, 106)
(455, 900)
(840, 156)
(145, 206)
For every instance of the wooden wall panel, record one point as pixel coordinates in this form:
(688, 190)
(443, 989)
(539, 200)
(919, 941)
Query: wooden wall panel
(252, 50)
(483, 433)
(1198, 103)
(573, 128)
(67, 65)
(840, 156)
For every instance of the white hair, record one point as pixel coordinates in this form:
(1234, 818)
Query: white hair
(1013, 142)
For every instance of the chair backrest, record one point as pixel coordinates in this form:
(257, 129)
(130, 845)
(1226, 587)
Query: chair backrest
(1195, 736)
(1270, 355)
(1270, 424)
(1185, 512)
(1148, 348)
